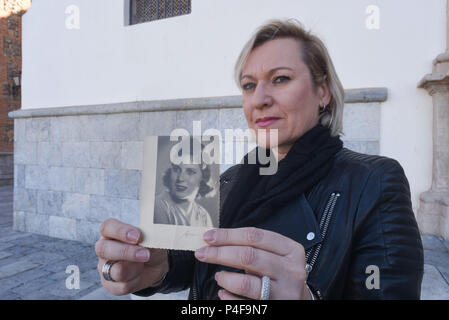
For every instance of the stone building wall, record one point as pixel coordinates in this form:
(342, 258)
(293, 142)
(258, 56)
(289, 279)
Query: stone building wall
(76, 166)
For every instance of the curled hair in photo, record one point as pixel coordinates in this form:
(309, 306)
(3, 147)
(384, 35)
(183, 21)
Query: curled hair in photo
(208, 187)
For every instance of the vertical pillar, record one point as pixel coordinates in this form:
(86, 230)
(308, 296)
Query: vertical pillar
(433, 214)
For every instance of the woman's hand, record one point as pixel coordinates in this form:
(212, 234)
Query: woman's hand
(260, 253)
(137, 267)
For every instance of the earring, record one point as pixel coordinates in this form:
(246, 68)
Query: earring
(323, 108)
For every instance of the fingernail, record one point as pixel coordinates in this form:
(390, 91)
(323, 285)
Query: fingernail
(132, 235)
(216, 276)
(200, 253)
(210, 235)
(143, 255)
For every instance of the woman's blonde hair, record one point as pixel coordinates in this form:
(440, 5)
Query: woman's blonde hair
(316, 57)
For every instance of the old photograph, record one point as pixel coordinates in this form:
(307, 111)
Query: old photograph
(180, 192)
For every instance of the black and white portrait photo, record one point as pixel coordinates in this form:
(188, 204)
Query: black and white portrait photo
(180, 193)
(186, 192)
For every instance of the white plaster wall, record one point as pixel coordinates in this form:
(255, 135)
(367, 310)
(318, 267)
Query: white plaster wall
(193, 56)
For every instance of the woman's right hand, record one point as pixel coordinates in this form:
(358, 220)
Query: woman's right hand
(137, 267)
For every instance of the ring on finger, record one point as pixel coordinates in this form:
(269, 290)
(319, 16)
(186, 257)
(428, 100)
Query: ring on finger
(266, 286)
(106, 270)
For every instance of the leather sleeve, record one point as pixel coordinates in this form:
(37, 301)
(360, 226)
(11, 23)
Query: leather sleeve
(179, 276)
(386, 236)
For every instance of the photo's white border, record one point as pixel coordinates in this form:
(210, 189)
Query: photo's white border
(162, 236)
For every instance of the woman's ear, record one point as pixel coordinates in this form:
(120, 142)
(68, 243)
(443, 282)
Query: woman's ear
(324, 93)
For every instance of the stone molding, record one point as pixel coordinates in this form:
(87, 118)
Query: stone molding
(435, 82)
(363, 95)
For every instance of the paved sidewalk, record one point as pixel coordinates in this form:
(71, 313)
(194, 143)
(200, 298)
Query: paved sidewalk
(34, 266)
(435, 284)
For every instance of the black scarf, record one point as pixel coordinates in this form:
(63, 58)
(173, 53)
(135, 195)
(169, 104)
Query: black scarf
(254, 197)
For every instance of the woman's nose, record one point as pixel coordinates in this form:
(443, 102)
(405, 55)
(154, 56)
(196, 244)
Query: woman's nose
(262, 96)
(180, 177)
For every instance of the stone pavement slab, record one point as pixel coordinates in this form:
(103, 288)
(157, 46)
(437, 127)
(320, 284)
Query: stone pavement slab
(5, 255)
(16, 267)
(436, 272)
(434, 287)
(21, 278)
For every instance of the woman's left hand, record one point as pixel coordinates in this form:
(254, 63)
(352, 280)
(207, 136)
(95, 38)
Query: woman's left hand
(260, 253)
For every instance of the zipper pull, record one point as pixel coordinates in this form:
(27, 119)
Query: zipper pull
(308, 269)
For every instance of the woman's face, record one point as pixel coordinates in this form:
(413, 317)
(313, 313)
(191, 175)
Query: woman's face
(185, 180)
(278, 92)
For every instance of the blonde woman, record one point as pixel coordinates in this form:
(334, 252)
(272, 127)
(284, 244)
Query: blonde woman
(318, 227)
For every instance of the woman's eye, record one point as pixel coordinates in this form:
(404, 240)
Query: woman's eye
(248, 86)
(176, 169)
(281, 79)
(191, 171)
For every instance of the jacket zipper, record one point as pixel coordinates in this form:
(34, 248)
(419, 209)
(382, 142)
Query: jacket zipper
(195, 294)
(194, 289)
(324, 224)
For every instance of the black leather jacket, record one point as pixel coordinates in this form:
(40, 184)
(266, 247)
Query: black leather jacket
(355, 220)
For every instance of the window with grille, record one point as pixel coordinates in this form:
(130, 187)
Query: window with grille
(149, 10)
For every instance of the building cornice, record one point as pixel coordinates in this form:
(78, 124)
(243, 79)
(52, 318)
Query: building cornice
(365, 95)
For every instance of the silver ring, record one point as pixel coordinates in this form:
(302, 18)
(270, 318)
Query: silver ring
(106, 270)
(265, 291)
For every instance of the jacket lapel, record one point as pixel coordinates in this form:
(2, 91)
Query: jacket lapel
(296, 221)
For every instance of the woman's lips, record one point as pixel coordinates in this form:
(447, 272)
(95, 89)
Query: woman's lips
(180, 188)
(265, 122)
